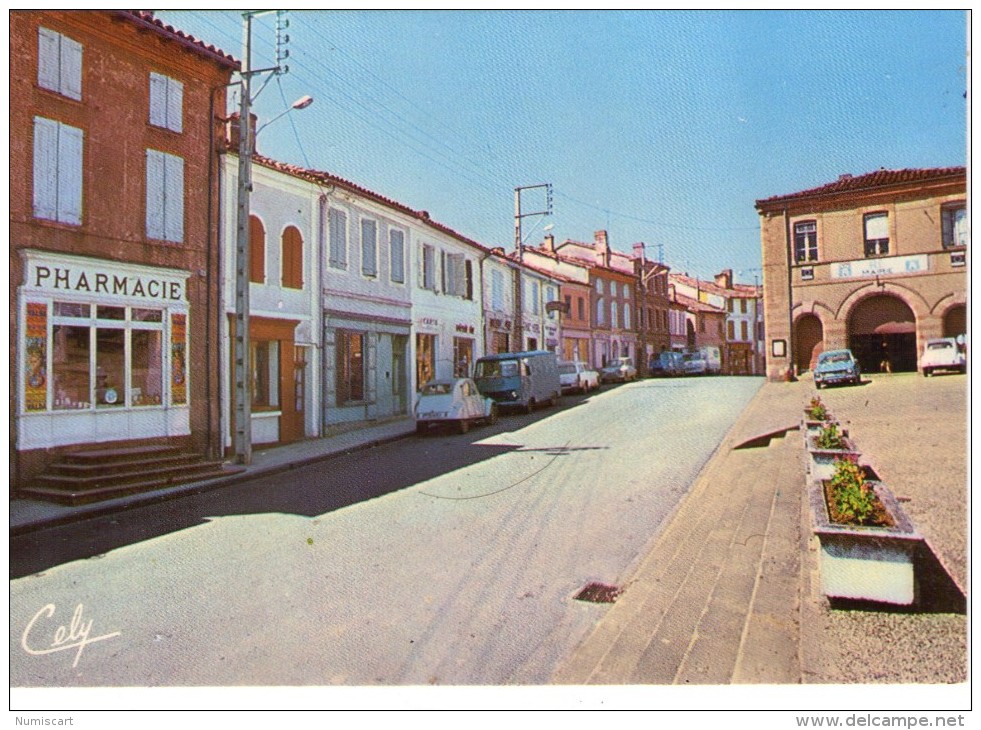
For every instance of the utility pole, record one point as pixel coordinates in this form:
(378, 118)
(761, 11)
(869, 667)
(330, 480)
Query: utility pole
(241, 345)
(519, 246)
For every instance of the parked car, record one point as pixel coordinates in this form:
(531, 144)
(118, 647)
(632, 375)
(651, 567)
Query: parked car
(667, 364)
(836, 366)
(694, 363)
(455, 402)
(619, 371)
(519, 379)
(577, 376)
(942, 354)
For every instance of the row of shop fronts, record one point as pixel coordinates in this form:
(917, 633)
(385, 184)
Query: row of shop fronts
(364, 302)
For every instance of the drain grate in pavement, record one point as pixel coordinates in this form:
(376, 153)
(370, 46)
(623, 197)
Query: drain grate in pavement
(599, 593)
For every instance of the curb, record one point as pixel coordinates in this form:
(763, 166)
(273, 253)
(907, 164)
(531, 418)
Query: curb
(121, 504)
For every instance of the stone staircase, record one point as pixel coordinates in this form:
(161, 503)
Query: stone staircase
(83, 477)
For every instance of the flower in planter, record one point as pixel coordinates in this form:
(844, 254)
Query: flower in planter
(830, 437)
(851, 498)
(817, 410)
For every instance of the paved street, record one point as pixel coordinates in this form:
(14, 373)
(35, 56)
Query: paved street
(459, 568)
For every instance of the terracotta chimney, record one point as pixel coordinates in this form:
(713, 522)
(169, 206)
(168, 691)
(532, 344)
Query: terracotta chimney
(602, 248)
(549, 243)
(639, 252)
(724, 279)
(232, 131)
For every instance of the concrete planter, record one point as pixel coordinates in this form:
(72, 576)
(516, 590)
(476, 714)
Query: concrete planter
(821, 462)
(813, 428)
(866, 563)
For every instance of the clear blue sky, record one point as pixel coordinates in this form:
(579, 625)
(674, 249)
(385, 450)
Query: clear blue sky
(658, 126)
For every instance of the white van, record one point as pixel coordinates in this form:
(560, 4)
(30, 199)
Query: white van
(713, 359)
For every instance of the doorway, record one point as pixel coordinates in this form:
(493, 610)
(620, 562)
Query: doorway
(882, 335)
(808, 342)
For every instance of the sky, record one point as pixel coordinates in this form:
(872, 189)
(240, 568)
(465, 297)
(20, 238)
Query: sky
(662, 127)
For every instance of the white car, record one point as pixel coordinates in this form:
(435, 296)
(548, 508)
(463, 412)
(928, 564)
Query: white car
(577, 376)
(694, 363)
(454, 402)
(942, 354)
(620, 370)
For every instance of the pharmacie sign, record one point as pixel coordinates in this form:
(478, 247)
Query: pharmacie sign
(74, 275)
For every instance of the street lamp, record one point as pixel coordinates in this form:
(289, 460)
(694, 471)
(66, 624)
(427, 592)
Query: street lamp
(240, 355)
(302, 103)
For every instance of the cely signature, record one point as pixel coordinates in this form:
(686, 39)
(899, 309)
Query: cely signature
(73, 636)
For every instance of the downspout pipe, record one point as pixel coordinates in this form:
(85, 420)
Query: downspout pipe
(791, 354)
(323, 208)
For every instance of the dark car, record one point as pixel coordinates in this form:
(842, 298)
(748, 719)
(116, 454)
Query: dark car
(666, 364)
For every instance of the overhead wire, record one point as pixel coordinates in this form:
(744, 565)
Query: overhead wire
(372, 101)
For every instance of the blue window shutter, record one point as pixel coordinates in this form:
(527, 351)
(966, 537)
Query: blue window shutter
(158, 100)
(70, 145)
(338, 238)
(48, 61)
(369, 265)
(397, 255)
(71, 68)
(175, 105)
(174, 198)
(45, 169)
(154, 194)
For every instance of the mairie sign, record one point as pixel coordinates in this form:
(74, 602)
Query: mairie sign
(867, 268)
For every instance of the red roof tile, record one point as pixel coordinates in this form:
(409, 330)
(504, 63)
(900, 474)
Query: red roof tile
(737, 290)
(695, 305)
(320, 177)
(147, 19)
(878, 179)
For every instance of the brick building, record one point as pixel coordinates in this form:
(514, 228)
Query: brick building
(113, 208)
(876, 263)
(653, 307)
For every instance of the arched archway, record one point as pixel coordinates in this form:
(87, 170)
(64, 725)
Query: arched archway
(690, 330)
(955, 321)
(882, 334)
(808, 341)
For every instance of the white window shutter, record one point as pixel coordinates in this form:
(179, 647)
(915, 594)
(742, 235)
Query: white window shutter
(70, 146)
(960, 227)
(45, 169)
(154, 194)
(175, 105)
(876, 226)
(48, 62)
(174, 198)
(158, 100)
(71, 68)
